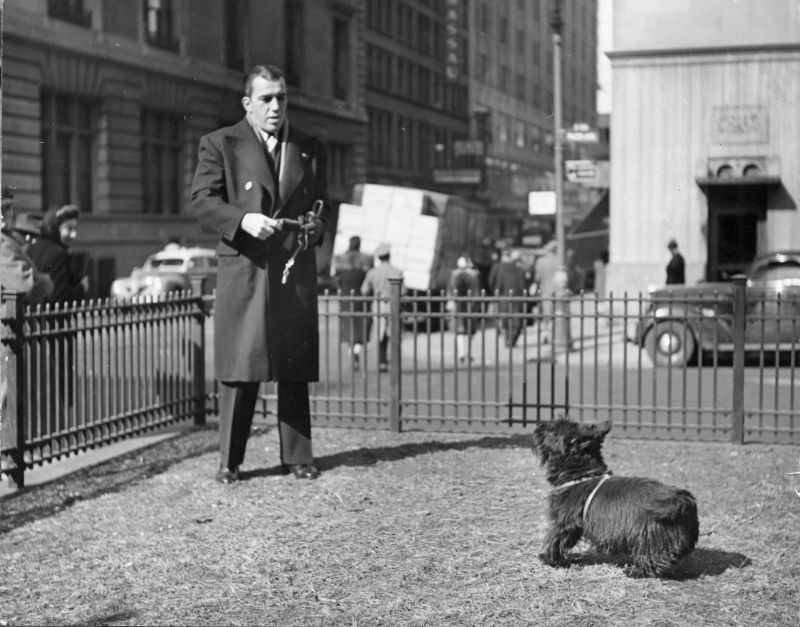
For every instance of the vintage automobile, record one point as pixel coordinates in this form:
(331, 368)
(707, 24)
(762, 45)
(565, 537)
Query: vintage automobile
(169, 270)
(683, 322)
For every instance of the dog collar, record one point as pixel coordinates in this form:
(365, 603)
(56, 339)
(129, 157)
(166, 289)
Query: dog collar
(603, 479)
(569, 484)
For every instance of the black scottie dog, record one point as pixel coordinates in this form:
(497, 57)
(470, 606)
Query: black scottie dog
(652, 523)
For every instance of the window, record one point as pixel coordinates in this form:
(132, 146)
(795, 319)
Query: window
(69, 126)
(161, 152)
(159, 27)
(341, 58)
(504, 78)
(69, 11)
(502, 34)
(338, 162)
(520, 87)
(484, 18)
(294, 42)
(234, 26)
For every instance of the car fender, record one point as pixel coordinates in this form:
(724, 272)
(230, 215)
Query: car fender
(707, 326)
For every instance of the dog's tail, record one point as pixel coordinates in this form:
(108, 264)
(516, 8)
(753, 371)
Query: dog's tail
(679, 509)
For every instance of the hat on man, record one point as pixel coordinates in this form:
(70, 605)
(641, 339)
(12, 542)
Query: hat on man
(672, 244)
(382, 250)
(29, 224)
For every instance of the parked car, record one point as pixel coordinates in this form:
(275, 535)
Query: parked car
(681, 321)
(168, 271)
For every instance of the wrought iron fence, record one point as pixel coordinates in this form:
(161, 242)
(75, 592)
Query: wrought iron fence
(720, 367)
(80, 375)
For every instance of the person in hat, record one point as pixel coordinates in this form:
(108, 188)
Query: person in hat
(545, 269)
(464, 288)
(507, 281)
(676, 268)
(376, 284)
(29, 226)
(18, 273)
(51, 254)
(349, 270)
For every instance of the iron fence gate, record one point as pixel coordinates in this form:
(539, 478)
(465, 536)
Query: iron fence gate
(81, 375)
(95, 372)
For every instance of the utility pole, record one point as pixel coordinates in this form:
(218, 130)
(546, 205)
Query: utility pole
(556, 23)
(562, 337)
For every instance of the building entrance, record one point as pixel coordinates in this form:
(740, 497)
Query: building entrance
(733, 215)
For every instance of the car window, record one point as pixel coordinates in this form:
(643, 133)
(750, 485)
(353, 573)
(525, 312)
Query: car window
(165, 263)
(212, 262)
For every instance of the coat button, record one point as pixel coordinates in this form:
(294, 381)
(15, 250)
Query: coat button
(248, 186)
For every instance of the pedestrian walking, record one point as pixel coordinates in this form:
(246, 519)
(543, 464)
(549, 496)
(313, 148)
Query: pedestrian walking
(260, 184)
(376, 284)
(464, 289)
(507, 282)
(545, 270)
(349, 270)
(676, 268)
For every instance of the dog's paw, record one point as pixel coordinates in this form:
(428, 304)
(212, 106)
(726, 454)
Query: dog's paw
(550, 560)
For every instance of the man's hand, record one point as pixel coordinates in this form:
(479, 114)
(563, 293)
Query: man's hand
(313, 227)
(258, 225)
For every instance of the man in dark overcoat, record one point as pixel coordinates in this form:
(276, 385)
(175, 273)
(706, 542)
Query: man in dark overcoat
(260, 184)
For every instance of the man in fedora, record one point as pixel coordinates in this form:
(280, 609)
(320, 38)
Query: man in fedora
(255, 185)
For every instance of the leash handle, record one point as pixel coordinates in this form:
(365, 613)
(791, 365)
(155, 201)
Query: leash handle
(302, 237)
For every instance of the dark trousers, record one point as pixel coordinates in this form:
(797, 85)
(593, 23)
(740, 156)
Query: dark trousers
(237, 403)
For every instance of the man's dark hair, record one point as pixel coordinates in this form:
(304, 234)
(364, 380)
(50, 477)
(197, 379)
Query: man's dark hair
(268, 72)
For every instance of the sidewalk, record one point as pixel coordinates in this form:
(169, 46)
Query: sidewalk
(50, 471)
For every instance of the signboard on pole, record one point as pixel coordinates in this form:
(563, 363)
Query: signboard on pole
(463, 176)
(541, 203)
(587, 172)
(581, 133)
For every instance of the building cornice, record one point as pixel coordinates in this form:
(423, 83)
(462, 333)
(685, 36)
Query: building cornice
(656, 53)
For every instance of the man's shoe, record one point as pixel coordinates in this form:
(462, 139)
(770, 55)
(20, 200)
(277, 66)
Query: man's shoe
(226, 475)
(303, 471)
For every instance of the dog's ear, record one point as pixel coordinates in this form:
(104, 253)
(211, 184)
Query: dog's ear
(604, 428)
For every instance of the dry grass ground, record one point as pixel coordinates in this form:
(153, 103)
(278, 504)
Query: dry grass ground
(401, 529)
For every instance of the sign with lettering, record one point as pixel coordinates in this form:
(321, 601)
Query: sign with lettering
(736, 124)
(452, 39)
(467, 147)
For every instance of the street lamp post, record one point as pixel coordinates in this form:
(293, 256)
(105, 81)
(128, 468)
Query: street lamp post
(556, 24)
(561, 324)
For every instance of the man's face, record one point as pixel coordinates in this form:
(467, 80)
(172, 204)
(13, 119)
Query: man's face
(266, 105)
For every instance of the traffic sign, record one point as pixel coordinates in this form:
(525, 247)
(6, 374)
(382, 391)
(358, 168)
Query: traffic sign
(541, 203)
(580, 169)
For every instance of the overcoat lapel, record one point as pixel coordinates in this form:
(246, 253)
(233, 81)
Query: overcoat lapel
(250, 152)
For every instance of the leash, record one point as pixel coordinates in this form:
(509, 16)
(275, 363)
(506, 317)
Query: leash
(302, 237)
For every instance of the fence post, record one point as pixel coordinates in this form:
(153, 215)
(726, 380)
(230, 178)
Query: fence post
(12, 398)
(395, 368)
(199, 352)
(739, 310)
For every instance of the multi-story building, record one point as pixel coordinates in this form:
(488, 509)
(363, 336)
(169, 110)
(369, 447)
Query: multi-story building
(706, 136)
(103, 103)
(444, 71)
(511, 82)
(417, 105)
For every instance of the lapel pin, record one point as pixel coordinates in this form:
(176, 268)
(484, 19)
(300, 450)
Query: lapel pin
(248, 186)
(304, 155)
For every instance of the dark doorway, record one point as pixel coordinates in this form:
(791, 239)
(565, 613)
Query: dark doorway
(733, 215)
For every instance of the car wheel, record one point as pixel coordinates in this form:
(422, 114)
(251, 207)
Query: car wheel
(670, 343)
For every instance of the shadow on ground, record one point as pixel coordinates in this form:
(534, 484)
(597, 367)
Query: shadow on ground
(371, 456)
(700, 563)
(116, 474)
